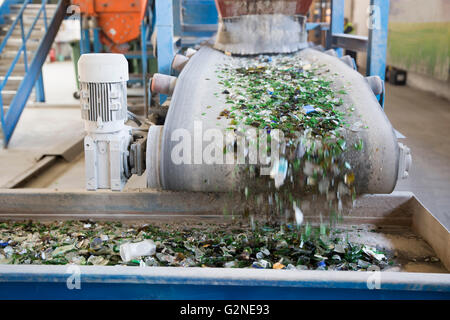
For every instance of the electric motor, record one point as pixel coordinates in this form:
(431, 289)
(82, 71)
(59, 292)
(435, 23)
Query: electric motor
(103, 96)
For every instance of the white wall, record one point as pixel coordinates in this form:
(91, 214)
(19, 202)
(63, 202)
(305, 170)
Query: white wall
(356, 12)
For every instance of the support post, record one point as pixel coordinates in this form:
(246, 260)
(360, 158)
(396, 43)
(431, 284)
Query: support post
(85, 41)
(164, 37)
(337, 21)
(378, 33)
(177, 18)
(39, 87)
(96, 36)
(144, 30)
(97, 43)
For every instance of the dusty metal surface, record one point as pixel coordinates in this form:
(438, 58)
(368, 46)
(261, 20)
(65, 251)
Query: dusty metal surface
(146, 203)
(397, 222)
(136, 204)
(397, 208)
(42, 164)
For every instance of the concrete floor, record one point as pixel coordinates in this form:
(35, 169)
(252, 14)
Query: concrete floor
(425, 121)
(44, 129)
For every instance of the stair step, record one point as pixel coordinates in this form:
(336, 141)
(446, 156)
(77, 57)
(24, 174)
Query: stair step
(4, 28)
(6, 60)
(34, 6)
(30, 14)
(37, 33)
(13, 83)
(26, 26)
(7, 57)
(17, 36)
(33, 11)
(8, 96)
(19, 69)
(16, 45)
(26, 22)
(31, 45)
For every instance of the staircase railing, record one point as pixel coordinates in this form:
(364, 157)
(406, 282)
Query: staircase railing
(10, 118)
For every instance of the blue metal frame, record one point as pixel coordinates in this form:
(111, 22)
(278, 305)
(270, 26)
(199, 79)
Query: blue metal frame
(33, 75)
(97, 43)
(177, 18)
(165, 38)
(85, 41)
(337, 21)
(378, 33)
(50, 282)
(378, 30)
(5, 8)
(164, 27)
(39, 87)
(199, 18)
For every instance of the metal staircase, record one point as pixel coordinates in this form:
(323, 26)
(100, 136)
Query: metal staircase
(27, 31)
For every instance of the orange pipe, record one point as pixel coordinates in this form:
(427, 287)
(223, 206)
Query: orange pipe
(232, 8)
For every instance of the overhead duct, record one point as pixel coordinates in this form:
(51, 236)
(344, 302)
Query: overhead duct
(258, 26)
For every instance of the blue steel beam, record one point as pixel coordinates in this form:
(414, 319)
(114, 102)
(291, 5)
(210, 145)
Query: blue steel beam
(97, 43)
(378, 32)
(39, 87)
(144, 31)
(85, 41)
(199, 12)
(177, 18)
(337, 22)
(164, 37)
